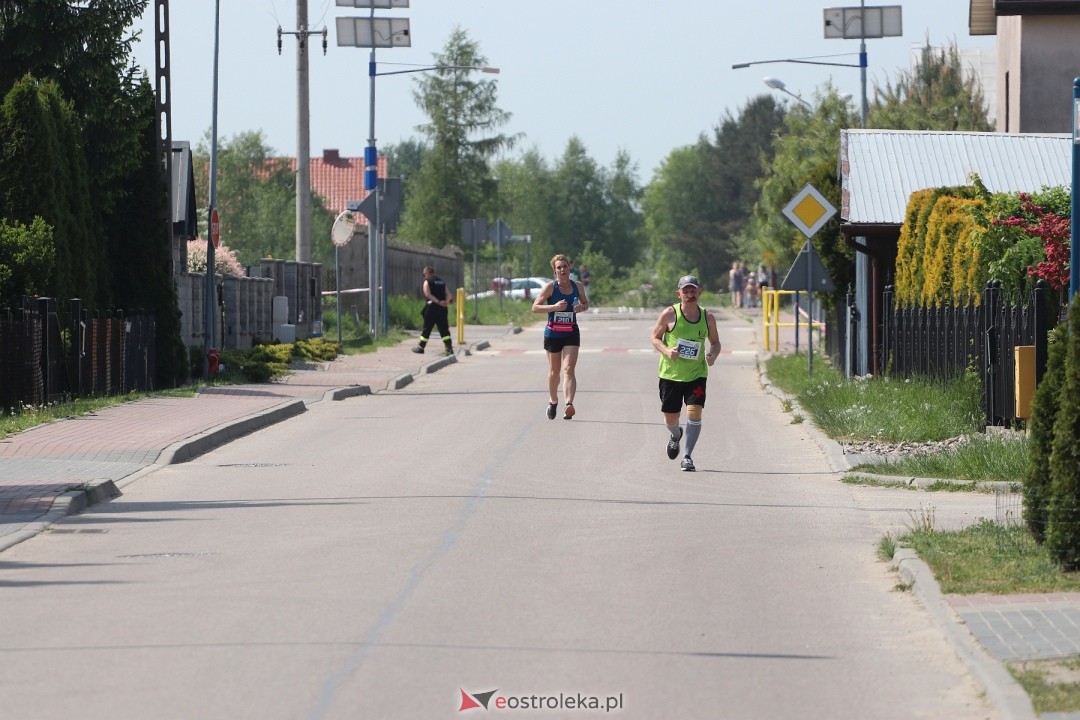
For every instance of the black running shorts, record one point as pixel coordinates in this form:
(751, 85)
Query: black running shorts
(673, 394)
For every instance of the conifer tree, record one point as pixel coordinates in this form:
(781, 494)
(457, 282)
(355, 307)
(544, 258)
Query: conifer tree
(1063, 521)
(1044, 408)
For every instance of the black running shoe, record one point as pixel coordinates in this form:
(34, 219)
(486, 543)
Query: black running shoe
(688, 464)
(673, 446)
(418, 349)
(569, 412)
(552, 407)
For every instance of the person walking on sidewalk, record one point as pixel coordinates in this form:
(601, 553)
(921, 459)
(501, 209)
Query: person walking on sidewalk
(562, 300)
(679, 335)
(435, 312)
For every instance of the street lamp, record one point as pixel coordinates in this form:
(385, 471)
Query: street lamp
(814, 60)
(778, 84)
(1074, 232)
(374, 32)
(371, 183)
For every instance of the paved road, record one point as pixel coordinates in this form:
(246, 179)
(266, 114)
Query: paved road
(378, 556)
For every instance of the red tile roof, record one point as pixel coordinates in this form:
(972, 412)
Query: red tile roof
(338, 179)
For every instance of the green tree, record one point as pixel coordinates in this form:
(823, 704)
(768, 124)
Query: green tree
(43, 173)
(580, 198)
(936, 95)
(1063, 518)
(806, 152)
(526, 201)
(27, 260)
(256, 199)
(672, 202)
(454, 181)
(624, 226)
(85, 48)
(140, 254)
(703, 195)
(1044, 408)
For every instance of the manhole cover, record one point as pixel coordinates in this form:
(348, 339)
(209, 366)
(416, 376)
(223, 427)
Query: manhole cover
(72, 531)
(253, 465)
(171, 555)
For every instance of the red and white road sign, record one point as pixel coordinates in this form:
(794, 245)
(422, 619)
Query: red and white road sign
(215, 228)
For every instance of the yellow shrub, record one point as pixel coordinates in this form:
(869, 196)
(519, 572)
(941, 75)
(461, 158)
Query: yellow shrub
(966, 280)
(909, 250)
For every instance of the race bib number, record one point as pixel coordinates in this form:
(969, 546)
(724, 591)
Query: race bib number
(688, 349)
(562, 322)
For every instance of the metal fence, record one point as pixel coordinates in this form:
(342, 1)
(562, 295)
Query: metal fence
(944, 342)
(48, 356)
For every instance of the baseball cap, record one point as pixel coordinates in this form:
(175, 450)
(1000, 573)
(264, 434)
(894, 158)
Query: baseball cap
(689, 280)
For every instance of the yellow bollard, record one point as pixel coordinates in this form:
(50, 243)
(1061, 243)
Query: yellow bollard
(1024, 364)
(460, 316)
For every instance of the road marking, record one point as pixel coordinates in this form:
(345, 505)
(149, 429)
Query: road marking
(590, 351)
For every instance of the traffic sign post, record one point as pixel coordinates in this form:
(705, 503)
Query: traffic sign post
(340, 234)
(215, 228)
(808, 211)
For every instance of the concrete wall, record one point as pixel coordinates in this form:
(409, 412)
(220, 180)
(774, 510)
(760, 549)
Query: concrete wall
(404, 269)
(245, 313)
(1038, 57)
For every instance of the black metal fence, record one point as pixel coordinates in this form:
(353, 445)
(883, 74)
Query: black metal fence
(947, 341)
(47, 356)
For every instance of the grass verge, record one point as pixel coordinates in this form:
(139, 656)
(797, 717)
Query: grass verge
(989, 558)
(980, 458)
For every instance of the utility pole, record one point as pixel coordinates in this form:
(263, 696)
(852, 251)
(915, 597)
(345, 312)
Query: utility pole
(303, 129)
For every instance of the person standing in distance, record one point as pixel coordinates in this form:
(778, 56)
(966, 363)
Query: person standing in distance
(680, 335)
(435, 312)
(562, 300)
(586, 278)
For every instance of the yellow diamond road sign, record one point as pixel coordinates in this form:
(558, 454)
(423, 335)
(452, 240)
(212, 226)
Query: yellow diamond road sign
(809, 210)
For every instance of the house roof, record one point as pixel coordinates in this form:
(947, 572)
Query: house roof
(982, 20)
(339, 180)
(983, 14)
(879, 169)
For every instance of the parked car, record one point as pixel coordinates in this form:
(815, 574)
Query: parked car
(518, 288)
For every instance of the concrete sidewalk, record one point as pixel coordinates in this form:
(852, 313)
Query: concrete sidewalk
(61, 468)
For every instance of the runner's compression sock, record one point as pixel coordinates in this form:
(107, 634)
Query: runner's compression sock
(693, 430)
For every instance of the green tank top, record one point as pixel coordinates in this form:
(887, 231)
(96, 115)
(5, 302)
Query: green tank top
(690, 338)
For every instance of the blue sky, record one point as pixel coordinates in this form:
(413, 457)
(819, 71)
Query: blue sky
(644, 77)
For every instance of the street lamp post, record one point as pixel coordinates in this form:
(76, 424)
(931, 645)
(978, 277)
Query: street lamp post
(813, 60)
(778, 84)
(209, 304)
(1074, 244)
(849, 23)
(371, 170)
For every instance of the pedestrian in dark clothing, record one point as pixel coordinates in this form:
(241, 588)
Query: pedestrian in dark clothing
(435, 312)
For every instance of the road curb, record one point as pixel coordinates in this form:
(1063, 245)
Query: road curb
(924, 483)
(71, 502)
(215, 437)
(1007, 695)
(1002, 689)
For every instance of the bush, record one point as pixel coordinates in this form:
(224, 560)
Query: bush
(1063, 520)
(1044, 407)
(316, 349)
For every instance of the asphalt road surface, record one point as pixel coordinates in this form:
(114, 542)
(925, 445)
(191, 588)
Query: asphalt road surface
(425, 552)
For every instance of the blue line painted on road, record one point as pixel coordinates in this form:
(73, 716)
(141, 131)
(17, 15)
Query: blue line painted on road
(447, 542)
